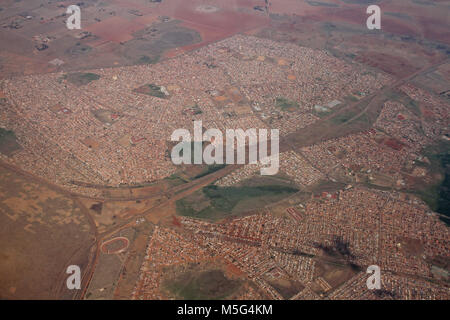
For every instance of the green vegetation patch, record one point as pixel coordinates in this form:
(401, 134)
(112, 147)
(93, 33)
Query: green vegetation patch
(437, 196)
(399, 15)
(322, 113)
(205, 285)
(343, 117)
(287, 288)
(8, 142)
(226, 198)
(6, 134)
(214, 202)
(210, 169)
(286, 104)
(413, 105)
(424, 3)
(176, 180)
(364, 2)
(321, 4)
(79, 49)
(279, 179)
(80, 78)
(195, 109)
(148, 60)
(152, 90)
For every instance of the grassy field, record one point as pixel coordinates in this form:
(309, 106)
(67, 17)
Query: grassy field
(215, 203)
(191, 173)
(4, 134)
(8, 142)
(148, 60)
(151, 90)
(322, 4)
(353, 118)
(279, 179)
(210, 169)
(285, 104)
(287, 288)
(343, 117)
(437, 195)
(80, 78)
(176, 180)
(205, 285)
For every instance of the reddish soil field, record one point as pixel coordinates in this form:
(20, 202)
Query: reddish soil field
(176, 222)
(353, 15)
(426, 22)
(231, 268)
(226, 21)
(147, 19)
(215, 25)
(432, 21)
(394, 65)
(397, 27)
(435, 30)
(392, 143)
(427, 113)
(22, 65)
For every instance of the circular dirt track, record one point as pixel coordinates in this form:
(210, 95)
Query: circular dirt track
(115, 247)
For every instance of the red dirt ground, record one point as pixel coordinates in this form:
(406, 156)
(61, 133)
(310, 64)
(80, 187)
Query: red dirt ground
(394, 65)
(213, 26)
(435, 30)
(430, 20)
(427, 113)
(397, 27)
(427, 22)
(392, 143)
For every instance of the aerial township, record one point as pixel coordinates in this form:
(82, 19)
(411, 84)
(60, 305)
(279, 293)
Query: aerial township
(107, 119)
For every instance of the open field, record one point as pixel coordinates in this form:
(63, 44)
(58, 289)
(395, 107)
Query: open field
(8, 142)
(435, 192)
(114, 33)
(214, 203)
(42, 233)
(152, 31)
(287, 288)
(204, 285)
